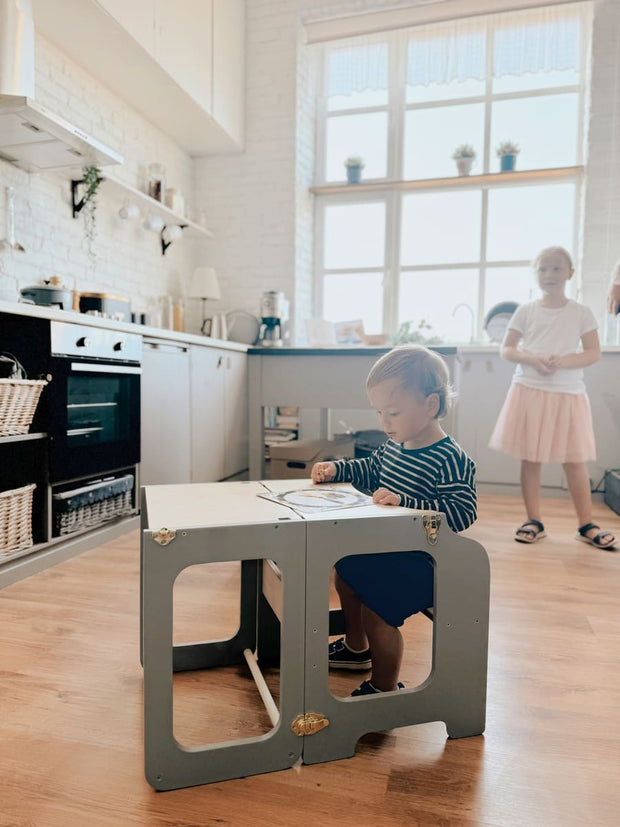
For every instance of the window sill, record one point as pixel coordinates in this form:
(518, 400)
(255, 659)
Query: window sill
(456, 181)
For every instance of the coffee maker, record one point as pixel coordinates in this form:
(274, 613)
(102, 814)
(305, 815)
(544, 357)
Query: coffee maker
(274, 319)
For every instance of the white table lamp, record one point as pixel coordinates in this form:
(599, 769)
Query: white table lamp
(204, 285)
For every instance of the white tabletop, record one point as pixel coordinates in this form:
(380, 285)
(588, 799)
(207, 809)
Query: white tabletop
(236, 503)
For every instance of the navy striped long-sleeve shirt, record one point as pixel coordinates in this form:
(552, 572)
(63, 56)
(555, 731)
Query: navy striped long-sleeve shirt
(438, 477)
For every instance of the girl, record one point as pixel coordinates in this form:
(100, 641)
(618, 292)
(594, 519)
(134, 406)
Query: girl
(546, 416)
(420, 467)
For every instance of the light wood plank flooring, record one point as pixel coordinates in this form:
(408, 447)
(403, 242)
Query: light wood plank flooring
(71, 702)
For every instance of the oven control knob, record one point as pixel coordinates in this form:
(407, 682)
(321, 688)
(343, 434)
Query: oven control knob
(119, 346)
(84, 341)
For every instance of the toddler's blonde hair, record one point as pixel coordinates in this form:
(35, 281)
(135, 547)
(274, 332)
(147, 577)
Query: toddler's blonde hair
(417, 369)
(560, 251)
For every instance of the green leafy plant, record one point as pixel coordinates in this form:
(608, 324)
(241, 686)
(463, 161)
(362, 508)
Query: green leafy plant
(354, 161)
(416, 333)
(507, 148)
(91, 180)
(464, 151)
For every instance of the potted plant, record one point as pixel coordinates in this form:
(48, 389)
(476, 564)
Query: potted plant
(507, 153)
(354, 166)
(91, 180)
(420, 333)
(464, 155)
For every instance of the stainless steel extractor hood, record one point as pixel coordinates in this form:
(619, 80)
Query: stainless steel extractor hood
(36, 139)
(30, 135)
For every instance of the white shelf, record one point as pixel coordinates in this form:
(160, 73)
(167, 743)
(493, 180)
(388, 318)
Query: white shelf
(21, 438)
(117, 189)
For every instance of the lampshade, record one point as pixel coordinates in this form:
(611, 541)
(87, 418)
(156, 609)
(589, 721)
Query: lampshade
(204, 284)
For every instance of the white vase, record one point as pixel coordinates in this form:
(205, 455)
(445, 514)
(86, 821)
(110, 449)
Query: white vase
(464, 165)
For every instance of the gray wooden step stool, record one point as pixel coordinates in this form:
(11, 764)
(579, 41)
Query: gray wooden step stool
(184, 525)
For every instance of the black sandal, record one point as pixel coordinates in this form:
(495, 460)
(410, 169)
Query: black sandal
(597, 540)
(529, 535)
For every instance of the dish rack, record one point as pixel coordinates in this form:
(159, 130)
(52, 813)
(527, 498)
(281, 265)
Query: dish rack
(92, 505)
(16, 519)
(18, 402)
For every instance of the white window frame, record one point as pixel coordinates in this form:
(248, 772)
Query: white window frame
(391, 189)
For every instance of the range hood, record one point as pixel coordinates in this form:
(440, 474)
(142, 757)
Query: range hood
(31, 136)
(36, 139)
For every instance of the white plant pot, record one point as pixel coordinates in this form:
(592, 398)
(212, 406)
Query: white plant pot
(464, 165)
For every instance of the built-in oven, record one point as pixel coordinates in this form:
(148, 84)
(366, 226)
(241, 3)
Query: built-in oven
(94, 401)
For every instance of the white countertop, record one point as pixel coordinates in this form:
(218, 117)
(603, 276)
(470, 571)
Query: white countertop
(34, 311)
(39, 312)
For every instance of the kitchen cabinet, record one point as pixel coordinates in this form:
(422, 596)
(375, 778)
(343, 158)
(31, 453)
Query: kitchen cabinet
(138, 17)
(165, 413)
(184, 46)
(323, 381)
(186, 61)
(219, 405)
(483, 379)
(602, 386)
(229, 66)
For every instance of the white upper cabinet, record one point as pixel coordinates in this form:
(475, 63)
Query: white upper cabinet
(181, 63)
(229, 65)
(184, 46)
(137, 16)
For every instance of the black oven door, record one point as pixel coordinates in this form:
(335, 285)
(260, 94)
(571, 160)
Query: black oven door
(94, 417)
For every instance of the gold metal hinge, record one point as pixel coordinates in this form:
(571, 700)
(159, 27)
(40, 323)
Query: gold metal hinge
(164, 536)
(431, 523)
(309, 723)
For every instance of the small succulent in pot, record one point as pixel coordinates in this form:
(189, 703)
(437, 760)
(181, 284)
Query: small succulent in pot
(507, 153)
(464, 151)
(354, 166)
(507, 148)
(464, 155)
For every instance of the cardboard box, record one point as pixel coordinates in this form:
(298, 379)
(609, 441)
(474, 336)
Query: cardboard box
(294, 460)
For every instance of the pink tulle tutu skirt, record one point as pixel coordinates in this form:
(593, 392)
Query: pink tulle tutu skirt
(545, 426)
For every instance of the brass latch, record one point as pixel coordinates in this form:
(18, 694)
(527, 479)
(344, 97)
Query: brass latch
(431, 523)
(164, 536)
(309, 723)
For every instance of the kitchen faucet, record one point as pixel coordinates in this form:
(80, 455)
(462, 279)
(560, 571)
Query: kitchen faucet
(472, 319)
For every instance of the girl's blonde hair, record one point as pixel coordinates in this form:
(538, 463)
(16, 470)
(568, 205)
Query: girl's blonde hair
(417, 369)
(559, 251)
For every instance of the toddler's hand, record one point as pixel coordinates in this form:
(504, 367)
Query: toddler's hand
(384, 497)
(323, 472)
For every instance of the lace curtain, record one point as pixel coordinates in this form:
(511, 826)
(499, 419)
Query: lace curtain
(528, 41)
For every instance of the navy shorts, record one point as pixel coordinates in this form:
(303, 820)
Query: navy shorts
(395, 585)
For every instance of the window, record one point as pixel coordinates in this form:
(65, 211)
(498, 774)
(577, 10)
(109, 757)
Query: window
(416, 240)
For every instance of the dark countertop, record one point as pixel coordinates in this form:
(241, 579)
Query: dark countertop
(337, 351)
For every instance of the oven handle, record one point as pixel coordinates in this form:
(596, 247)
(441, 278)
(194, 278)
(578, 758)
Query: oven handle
(111, 369)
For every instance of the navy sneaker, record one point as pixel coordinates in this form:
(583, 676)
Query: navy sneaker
(339, 656)
(366, 688)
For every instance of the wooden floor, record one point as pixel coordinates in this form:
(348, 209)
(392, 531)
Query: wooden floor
(71, 702)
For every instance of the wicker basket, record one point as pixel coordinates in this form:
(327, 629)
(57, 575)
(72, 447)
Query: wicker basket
(16, 519)
(92, 505)
(18, 402)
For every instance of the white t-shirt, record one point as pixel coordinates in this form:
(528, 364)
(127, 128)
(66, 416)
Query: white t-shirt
(549, 331)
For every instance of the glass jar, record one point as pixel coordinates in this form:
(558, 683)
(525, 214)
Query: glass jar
(157, 182)
(178, 315)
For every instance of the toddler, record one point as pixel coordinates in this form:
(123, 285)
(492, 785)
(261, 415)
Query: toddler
(419, 466)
